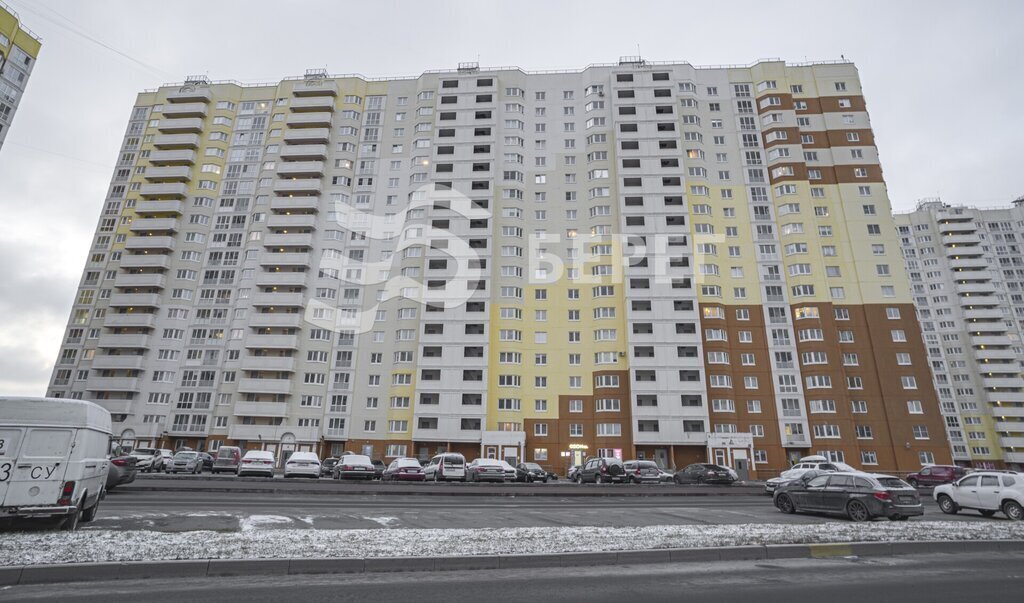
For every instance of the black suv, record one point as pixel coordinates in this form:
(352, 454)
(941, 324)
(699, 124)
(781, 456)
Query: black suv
(601, 470)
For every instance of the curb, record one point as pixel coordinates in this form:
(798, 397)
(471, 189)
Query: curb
(135, 570)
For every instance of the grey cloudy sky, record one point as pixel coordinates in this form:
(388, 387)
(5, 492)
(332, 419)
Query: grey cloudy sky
(941, 80)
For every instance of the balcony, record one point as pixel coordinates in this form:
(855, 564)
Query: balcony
(291, 203)
(986, 327)
(117, 407)
(130, 319)
(172, 190)
(971, 288)
(181, 125)
(154, 225)
(965, 263)
(179, 157)
(291, 221)
(281, 279)
(149, 279)
(278, 299)
(176, 141)
(335, 433)
(957, 227)
(268, 363)
(302, 239)
(176, 110)
(190, 94)
(1000, 367)
(119, 361)
(265, 386)
(135, 300)
(285, 259)
(796, 441)
(312, 103)
(304, 152)
(1013, 457)
(318, 119)
(1003, 411)
(996, 340)
(159, 207)
(273, 433)
(304, 186)
(149, 242)
(1003, 382)
(1010, 426)
(994, 354)
(171, 173)
(260, 409)
(983, 314)
(188, 430)
(270, 342)
(996, 398)
(300, 168)
(1013, 442)
(307, 136)
(112, 384)
(146, 260)
(961, 239)
(315, 87)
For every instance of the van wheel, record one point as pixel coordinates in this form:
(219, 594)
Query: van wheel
(1013, 510)
(90, 513)
(70, 523)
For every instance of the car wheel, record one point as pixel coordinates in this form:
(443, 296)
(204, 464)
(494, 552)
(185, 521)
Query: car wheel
(578, 479)
(785, 504)
(947, 506)
(699, 479)
(913, 482)
(598, 479)
(1013, 510)
(986, 512)
(857, 511)
(90, 513)
(436, 477)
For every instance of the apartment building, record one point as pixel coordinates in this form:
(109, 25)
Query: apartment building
(966, 268)
(19, 48)
(634, 259)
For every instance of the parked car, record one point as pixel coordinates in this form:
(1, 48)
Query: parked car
(165, 457)
(186, 461)
(229, 458)
(859, 496)
(448, 466)
(665, 476)
(642, 472)
(935, 475)
(65, 444)
(378, 468)
(531, 472)
(207, 461)
(602, 470)
(485, 470)
(986, 492)
(147, 459)
(808, 463)
(302, 463)
(122, 469)
(573, 472)
(256, 462)
(403, 469)
(327, 466)
(354, 466)
(704, 473)
(510, 471)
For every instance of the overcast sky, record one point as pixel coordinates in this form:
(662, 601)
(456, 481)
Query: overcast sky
(941, 80)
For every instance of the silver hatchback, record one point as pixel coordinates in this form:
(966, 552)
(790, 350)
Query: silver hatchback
(186, 461)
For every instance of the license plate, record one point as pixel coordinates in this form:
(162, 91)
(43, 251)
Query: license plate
(907, 499)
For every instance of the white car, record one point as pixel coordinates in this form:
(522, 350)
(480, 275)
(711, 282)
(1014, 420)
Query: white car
(986, 492)
(257, 462)
(803, 467)
(147, 459)
(447, 466)
(303, 463)
(510, 471)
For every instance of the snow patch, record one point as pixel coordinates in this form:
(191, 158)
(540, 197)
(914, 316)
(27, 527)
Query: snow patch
(255, 522)
(136, 545)
(384, 521)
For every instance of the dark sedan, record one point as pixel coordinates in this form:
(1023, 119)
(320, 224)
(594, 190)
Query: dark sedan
(859, 496)
(354, 466)
(378, 468)
(327, 466)
(207, 461)
(531, 472)
(404, 469)
(121, 470)
(703, 473)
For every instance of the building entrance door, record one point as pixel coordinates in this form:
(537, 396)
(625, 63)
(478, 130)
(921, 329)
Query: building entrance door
(661, 457)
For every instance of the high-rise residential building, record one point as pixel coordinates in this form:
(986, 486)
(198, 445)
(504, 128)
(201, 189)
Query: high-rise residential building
(634, 259)
(966, 268)
(19, 48)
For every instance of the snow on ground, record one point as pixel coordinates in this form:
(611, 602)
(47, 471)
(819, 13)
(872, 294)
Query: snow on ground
(384, 521)
(254, 522)
(252, 542)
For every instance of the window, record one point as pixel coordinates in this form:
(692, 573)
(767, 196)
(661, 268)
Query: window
(920, 432)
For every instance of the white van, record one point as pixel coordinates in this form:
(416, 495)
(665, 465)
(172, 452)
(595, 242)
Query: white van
(53, 458)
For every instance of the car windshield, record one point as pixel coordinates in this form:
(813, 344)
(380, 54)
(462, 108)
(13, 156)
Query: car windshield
(185, 455)
(356, 459)
(648, 465)
(145, 451)
(533, 467)
(408, 463)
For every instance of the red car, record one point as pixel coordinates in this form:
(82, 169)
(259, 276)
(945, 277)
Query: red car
(935, 475)
(403, 470)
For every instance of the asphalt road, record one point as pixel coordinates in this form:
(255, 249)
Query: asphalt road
(180, 507)
(907, 579)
